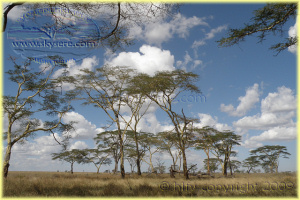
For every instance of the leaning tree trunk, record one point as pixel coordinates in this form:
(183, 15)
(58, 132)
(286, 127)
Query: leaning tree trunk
(184, 163)
(6, 160)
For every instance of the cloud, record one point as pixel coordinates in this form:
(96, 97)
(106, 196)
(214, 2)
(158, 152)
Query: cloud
(149, 60)
(277, 134)
(188, 61)
(292, 34)
(208, 120)
(73, 69)
(277, 109)
(78, 145)
(210, 35)
(246, 102)
(281, 101)
(83, 128)
(161, 31)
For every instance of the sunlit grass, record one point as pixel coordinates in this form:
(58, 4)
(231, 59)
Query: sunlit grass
(21, 184)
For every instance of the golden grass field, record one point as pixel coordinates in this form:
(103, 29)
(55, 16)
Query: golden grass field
(62, 184)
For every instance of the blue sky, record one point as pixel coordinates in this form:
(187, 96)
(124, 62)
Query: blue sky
(246, 88)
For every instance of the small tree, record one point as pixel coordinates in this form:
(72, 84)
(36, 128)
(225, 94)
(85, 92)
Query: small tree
(168, 144)
(213, 164)
(204, 140)
(72, 156)
(97, 157)
(223, 144)
(250, 163)
(234, 166)
(269, 156)
(36, 93)
(150, 145)
(160, 167)
(110, 140)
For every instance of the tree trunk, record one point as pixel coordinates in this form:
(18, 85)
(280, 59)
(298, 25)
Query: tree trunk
(72, 168)
(208, 170)
(249, 170)
(185, 171)
(6, 160)
(98, 169)
(225, 167)
(116, 164)
(122, 169)
(138, 160)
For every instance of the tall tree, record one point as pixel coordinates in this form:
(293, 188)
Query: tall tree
(72, 156)
(138, 106)
(162, 89)
(36, 93)
(269, 19)
(105, 88)
(269, 155)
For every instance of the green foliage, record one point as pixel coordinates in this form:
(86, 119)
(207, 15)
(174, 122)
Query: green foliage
(251, 162)
(213, 164)
(269, 19)
(269, 156)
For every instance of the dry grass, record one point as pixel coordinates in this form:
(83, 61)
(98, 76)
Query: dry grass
(55, 184)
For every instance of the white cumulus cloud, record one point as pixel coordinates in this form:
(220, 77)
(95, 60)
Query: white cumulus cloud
(161, 31)
(208, 120)
(149, 60)
(246, 102)
(277, 109)
(83, 129)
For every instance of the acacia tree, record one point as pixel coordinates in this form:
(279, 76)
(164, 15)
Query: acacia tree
(223, 144)
(72, 156)
(162, 89)
(168, 144)
(251, 162)
(138, 106)
(212, 163)
(269, 19)
(109, 140)
(204, 140)
(105, 88)
(234, 166)
(35, 93)
(269, 156)
(97, 157)
(149, 143)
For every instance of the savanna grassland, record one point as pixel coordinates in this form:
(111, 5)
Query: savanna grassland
(61, 184)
